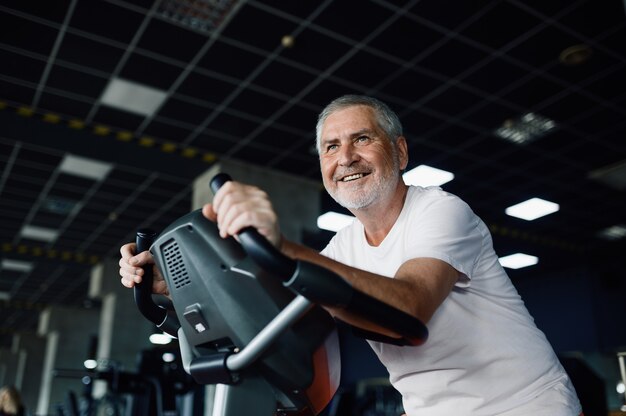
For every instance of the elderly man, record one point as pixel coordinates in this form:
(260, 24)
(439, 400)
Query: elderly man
(423, 251)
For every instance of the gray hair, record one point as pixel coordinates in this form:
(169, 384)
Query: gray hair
(386, 118)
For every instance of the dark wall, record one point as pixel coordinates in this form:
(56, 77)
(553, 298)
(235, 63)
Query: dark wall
(578, 309)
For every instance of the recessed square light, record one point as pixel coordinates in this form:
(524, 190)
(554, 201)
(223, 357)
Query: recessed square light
(85, 167)
(133, 97)
(16, 265)
(527, 128)
(39, 233)
(205, 16)
(518, 260)
(334, 221)
(58, 205)
(425, 175)
(613, 233)
(5, 296)
(532, 209)
(613, 175)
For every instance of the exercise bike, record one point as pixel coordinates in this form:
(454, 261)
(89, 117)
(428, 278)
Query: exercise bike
(249, 319)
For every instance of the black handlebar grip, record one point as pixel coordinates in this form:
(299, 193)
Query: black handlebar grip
(413, 330)
(218, 181)
(320, 285)
(144, 240)
(258, 247)
(143, 290)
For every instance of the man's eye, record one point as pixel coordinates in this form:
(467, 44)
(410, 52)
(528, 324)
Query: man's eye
(362, 138)
(331, 147)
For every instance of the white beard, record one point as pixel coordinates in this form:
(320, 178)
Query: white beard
(383, 186)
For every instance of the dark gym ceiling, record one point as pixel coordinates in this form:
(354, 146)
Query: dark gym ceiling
(220, 80)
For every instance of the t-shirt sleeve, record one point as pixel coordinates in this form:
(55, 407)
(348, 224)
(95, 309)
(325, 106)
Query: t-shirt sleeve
(329, 249)
(444, 227)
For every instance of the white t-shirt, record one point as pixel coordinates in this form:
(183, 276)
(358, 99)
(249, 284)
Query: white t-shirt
(484, 355)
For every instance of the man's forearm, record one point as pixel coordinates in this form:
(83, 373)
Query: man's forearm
(359, 279)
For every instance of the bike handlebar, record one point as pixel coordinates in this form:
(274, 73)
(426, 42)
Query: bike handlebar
(143, 291)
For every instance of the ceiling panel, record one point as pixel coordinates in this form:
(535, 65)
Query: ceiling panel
(454, 71)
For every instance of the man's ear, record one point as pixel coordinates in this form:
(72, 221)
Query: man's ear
(403, 152)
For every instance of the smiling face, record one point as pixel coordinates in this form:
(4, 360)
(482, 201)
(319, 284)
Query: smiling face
(359, 164)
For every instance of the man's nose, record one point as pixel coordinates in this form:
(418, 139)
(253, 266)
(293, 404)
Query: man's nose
(348, 155)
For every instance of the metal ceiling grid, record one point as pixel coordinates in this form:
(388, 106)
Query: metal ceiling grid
(454, 71)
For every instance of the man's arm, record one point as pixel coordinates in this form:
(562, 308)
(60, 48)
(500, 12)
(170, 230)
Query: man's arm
(418, 288)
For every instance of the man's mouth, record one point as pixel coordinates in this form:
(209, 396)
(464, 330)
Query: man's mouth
(353, 177)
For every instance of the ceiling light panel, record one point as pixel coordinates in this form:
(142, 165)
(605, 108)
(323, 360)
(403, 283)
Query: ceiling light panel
(425, 175)
(613, 175)
(58, 205)
(615, 232)
(532, 209)
(85, 167)
(334, 221)
(133, 97)
(529, 127)
(202, 15)
(16, 265)
(33, 232)
(518, 261)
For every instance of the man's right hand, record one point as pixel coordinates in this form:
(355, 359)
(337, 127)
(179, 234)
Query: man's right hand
(131, 269)
(237, 206)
